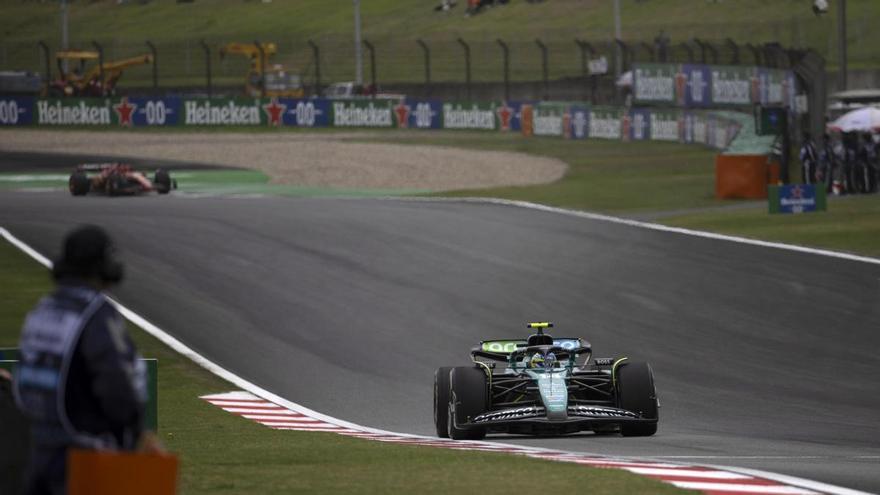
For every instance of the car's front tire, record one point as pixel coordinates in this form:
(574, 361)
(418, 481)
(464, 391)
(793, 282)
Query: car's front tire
(79, 184)
(441, 401)
(162, 181)
(468, 397)
(636, 393)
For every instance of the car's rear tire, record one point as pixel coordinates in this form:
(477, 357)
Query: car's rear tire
(79, 184)
(441, 401)
(636, 393)
(468, 397)
(162, 181)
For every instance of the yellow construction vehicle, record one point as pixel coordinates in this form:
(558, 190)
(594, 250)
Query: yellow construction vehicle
(264, 78)
(99, 80)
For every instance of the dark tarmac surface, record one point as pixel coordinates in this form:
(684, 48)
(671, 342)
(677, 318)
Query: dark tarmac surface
(763, 358)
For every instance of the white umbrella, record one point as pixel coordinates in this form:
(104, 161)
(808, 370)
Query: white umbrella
(865, 119)
(625, 80)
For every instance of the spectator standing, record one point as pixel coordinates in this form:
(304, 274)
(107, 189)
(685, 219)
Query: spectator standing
(809, 160)
(868, 162)
(826, 169)
(79, 379)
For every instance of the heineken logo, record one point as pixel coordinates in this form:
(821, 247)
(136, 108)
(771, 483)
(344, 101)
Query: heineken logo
(664, 129)
(229, 113)
(81, 113)
(547, 125)
(650, 87)
(604, 126)
(456, 117)
(700, 131)
(353, 115)
(730, 90)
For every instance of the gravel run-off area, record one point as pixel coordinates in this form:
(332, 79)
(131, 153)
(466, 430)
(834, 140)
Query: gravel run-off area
(332, 160)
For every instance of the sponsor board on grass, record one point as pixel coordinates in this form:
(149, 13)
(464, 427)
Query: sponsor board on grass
(469, 115)
(75, 111)
(665, 125)
(551, 119)
(418, 114)
(696, 80)
(360, 113)
(297, 112)
(509, 115)
(654, 83)
(16, 110)
(795, 198)
(138, 112)
(580, 122)
(639, 124)
(223, 111)
(731, 85)
(605, 122)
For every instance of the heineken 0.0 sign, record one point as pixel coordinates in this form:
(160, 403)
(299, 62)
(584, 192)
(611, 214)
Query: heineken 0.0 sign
(795, 198)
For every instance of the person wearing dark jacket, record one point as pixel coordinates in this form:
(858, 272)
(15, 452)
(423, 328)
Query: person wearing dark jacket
(79, 380)
(809, 160)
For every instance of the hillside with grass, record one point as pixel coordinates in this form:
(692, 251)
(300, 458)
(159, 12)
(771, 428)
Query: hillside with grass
(393, 26)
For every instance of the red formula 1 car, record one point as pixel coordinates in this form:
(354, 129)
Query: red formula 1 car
(117, 179)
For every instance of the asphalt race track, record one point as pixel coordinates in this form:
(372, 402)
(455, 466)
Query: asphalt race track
(764, 358)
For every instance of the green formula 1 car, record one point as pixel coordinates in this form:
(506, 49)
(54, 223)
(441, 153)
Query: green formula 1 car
(544, 386)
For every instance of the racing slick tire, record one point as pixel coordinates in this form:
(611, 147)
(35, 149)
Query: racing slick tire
(441, 401)
(635, 392)
(79, 184)
(162, 181)
(468, 397)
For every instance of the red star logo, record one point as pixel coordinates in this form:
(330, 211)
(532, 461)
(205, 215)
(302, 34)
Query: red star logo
(402, 111)
(797, 192)
(124, 110)
(504, 113)
(274, 111)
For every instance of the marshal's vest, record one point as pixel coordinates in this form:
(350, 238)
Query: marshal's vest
(49, 338)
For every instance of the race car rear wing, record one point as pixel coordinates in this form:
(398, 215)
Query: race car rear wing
(500, 350)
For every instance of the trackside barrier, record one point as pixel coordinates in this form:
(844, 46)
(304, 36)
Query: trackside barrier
(568, 120)
(151, 420)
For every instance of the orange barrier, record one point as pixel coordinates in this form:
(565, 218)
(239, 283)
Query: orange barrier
(744, 176)
(92, 472)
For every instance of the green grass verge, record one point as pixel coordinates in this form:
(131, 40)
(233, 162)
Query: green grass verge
(393, 27)
(222, 453)
(851, 224)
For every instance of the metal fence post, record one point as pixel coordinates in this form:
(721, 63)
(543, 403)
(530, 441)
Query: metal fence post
(316, 55)
(650, 49)
(702, 49)
(372, 66)
(690, 51)
(207, 50)
(152, 48)
(756, 52)
(467, 66)
(506, 53)
(100, 51)
(427, 52)
(544, 70)
(45, 49)
(734, 59)
(625, 54)
(262, 68)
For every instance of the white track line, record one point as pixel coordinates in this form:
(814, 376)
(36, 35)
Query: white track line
(352, 428)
